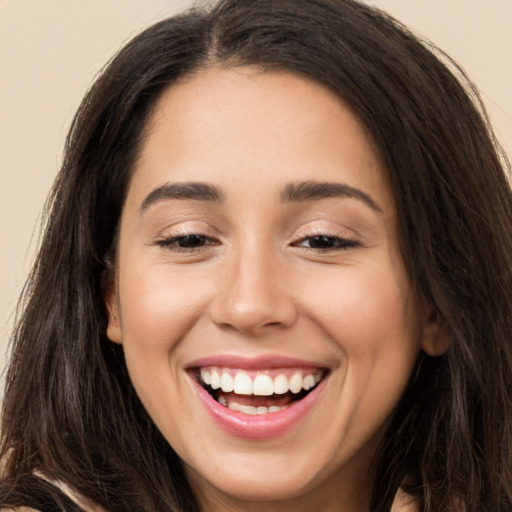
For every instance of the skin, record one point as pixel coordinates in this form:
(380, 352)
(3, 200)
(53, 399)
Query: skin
(255, 287)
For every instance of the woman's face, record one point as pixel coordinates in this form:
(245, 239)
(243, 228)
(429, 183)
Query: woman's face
(266, 316)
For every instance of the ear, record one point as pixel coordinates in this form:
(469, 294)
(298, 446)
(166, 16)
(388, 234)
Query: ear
(436, 338)
(114, 331)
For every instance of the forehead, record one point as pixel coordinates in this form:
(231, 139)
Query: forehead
(221, 124)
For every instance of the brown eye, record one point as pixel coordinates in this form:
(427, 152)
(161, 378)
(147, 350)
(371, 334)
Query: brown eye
(191, 241)
(322, 242)
(326, 243)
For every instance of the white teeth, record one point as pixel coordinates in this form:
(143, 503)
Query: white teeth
(249, 409)
(215, 380)
(242, 384)
(281, 384)
(263, 386)
(206, 376)
(308, 382)
(227, 383)
(296, 383)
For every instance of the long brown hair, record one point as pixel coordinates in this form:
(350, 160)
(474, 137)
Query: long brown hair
(70, 410)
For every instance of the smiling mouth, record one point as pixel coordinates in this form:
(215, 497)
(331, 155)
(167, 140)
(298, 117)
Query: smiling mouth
(258, 392)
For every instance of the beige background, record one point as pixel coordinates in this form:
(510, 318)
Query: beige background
(50, 51)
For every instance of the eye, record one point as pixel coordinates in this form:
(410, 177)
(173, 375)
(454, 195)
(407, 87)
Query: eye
(187, 242)
(326, 243)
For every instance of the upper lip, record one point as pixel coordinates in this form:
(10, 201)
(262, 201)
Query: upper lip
(254, 363)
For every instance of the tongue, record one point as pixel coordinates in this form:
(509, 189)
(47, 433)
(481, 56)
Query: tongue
(258, 401)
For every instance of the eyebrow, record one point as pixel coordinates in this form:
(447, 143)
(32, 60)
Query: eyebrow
(313, 190)
(292, 193)
(190, 190)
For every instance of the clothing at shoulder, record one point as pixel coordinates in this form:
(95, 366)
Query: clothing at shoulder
(19, 509)
(404, 503)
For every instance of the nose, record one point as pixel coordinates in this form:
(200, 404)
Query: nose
(253, 294)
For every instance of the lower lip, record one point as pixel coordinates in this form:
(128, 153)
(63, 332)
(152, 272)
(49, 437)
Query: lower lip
(262, 426)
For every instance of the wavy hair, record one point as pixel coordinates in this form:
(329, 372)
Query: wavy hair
(70, 411)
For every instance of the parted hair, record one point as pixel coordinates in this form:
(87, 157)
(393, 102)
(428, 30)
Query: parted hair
(70, 411)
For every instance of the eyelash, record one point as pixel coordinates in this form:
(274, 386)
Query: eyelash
(194, 242)
(173, 243)
(331, 243)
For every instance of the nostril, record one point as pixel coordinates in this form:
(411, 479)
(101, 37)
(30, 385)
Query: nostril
(252, 317)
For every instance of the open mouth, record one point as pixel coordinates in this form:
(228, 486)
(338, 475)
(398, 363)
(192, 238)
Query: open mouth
(258, 392)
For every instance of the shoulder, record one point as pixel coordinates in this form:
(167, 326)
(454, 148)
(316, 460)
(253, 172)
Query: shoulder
(19, 509)
(405, 503)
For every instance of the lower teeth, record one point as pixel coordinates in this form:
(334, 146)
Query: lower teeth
(250, 409)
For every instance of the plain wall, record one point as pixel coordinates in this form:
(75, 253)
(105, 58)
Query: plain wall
(50, 51)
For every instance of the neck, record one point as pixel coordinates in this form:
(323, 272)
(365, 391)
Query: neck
(305, 503)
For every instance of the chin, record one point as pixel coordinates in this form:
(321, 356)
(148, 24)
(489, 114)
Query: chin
(257, 486)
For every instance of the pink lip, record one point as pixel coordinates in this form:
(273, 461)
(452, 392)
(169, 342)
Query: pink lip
(257, 427)
(256, 363)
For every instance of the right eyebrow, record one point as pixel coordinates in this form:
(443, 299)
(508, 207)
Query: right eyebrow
(188, 190)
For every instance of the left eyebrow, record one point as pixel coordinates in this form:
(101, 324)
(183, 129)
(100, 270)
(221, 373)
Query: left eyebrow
(314, 191)
(188, 190)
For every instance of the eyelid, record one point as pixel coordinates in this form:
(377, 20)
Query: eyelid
(184, 227)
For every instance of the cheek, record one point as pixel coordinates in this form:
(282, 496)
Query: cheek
(372, 317)
(158, 306)
(368, 308)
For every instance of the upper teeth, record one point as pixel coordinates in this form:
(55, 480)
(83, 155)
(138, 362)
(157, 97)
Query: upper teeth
(243, 383)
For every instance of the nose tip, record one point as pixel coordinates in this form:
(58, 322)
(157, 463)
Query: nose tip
(245, 317)
(253, 298)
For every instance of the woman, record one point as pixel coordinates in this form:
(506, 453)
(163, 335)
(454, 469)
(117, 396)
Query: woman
(276, 275)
